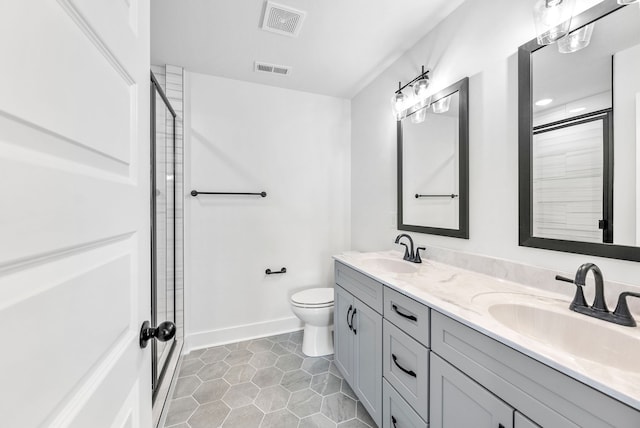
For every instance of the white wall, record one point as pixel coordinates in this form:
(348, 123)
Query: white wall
(246, 137)
(479, 40)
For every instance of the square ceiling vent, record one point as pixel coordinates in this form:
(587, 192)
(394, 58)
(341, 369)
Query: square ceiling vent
(282, 19)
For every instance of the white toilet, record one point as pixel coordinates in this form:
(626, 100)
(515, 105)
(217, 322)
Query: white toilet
(314, 307)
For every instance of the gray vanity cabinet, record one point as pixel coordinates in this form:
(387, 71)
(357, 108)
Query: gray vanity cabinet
(343, 334)
(457, 401)
(358, 336)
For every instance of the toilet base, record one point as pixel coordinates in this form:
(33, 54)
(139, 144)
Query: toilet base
(317, 341)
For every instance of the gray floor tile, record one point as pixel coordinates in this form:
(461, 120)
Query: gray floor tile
(263, 359)
(346, 389)
(212, 355)
(280, 419)
(213, 371)
(260, 345)
(296, 380)
(289, 362)
(190, 367)
(316, 421)
(185, 386)
(272, 398)
(315, 365)
(353, 423)
(239, 356)
(296, 337)
(326, 384)
(280, 338)
(194, 354)
(304, 403)
(211, 391)
(209, 415)
(267, 377)
(180, 410)
(240, 395)
(244, 417)
(338, 407)
(240, 374)
(363, 415)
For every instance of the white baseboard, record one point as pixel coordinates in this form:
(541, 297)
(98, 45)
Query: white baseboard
(207, 339)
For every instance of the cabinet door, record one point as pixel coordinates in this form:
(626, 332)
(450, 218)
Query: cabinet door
(343, 334)
(367, 382)
(457, 401)
(521, 422)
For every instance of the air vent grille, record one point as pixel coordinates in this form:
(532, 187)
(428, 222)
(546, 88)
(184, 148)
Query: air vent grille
(265, 67)
(282, 19)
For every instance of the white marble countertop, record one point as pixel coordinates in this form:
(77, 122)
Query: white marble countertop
(471, 298)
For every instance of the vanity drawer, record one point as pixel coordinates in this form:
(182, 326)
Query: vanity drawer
(396, 412)
(405, 365)
(361, 286)
(410, 316)
(548, 397)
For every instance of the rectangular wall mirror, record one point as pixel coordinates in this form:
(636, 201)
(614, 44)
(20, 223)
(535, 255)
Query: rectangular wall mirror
(433, 165)
(579, 140)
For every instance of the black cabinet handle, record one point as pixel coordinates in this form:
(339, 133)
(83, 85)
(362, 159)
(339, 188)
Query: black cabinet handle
(409, 372)
(409, 317)
(393, 421)
(271, 272)
(348, 313)
(353, 314)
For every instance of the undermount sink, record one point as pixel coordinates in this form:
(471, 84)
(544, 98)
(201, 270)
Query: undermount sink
(389, 265)
(598, 341)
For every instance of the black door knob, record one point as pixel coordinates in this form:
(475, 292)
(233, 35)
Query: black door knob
(163, 332)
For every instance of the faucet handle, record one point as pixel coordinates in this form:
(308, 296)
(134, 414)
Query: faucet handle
(578, 299)
(417, 258)
(621, 314)
(407, 256)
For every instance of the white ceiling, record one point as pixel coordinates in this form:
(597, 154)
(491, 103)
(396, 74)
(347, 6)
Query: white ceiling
(343, 44)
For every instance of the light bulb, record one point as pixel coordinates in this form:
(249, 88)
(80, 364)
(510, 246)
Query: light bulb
(442, 105)
(552, 19)
(399, 105)
(576, 40)
(420, 88)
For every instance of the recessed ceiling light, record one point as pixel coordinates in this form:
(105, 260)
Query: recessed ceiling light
(544, 102)
(577, 110)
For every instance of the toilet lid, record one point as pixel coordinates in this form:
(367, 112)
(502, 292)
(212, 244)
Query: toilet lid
(313, 296)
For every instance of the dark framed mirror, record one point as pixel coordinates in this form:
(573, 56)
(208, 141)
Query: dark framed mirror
(579, 107)
(433, 164)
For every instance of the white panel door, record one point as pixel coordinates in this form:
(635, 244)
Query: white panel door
(74, 223)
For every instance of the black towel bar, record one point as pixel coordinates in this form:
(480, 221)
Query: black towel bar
(196, 193)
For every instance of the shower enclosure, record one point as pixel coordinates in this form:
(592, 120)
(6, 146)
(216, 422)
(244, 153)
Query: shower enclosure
(163, 228)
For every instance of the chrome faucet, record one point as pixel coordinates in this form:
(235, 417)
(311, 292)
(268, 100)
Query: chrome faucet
(409, 255)
(621, 315)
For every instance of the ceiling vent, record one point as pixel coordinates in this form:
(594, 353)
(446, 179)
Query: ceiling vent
(282, 19)
(264, 67)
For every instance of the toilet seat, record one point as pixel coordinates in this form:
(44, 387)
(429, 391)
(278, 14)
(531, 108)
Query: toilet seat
(313, 298)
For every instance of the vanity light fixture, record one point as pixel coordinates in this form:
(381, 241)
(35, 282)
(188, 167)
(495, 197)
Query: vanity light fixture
(402, 103)
(576, 40)
(552, 19)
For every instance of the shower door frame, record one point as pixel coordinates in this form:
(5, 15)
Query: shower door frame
(157, 378)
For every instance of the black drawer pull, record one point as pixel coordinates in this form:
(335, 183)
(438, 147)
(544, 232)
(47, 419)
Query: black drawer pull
(409, 317)
(348, 313)
(353, 314)
(409, 372)
(393, 421)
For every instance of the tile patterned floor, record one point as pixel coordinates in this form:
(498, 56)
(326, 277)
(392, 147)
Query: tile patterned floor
(266, 383)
